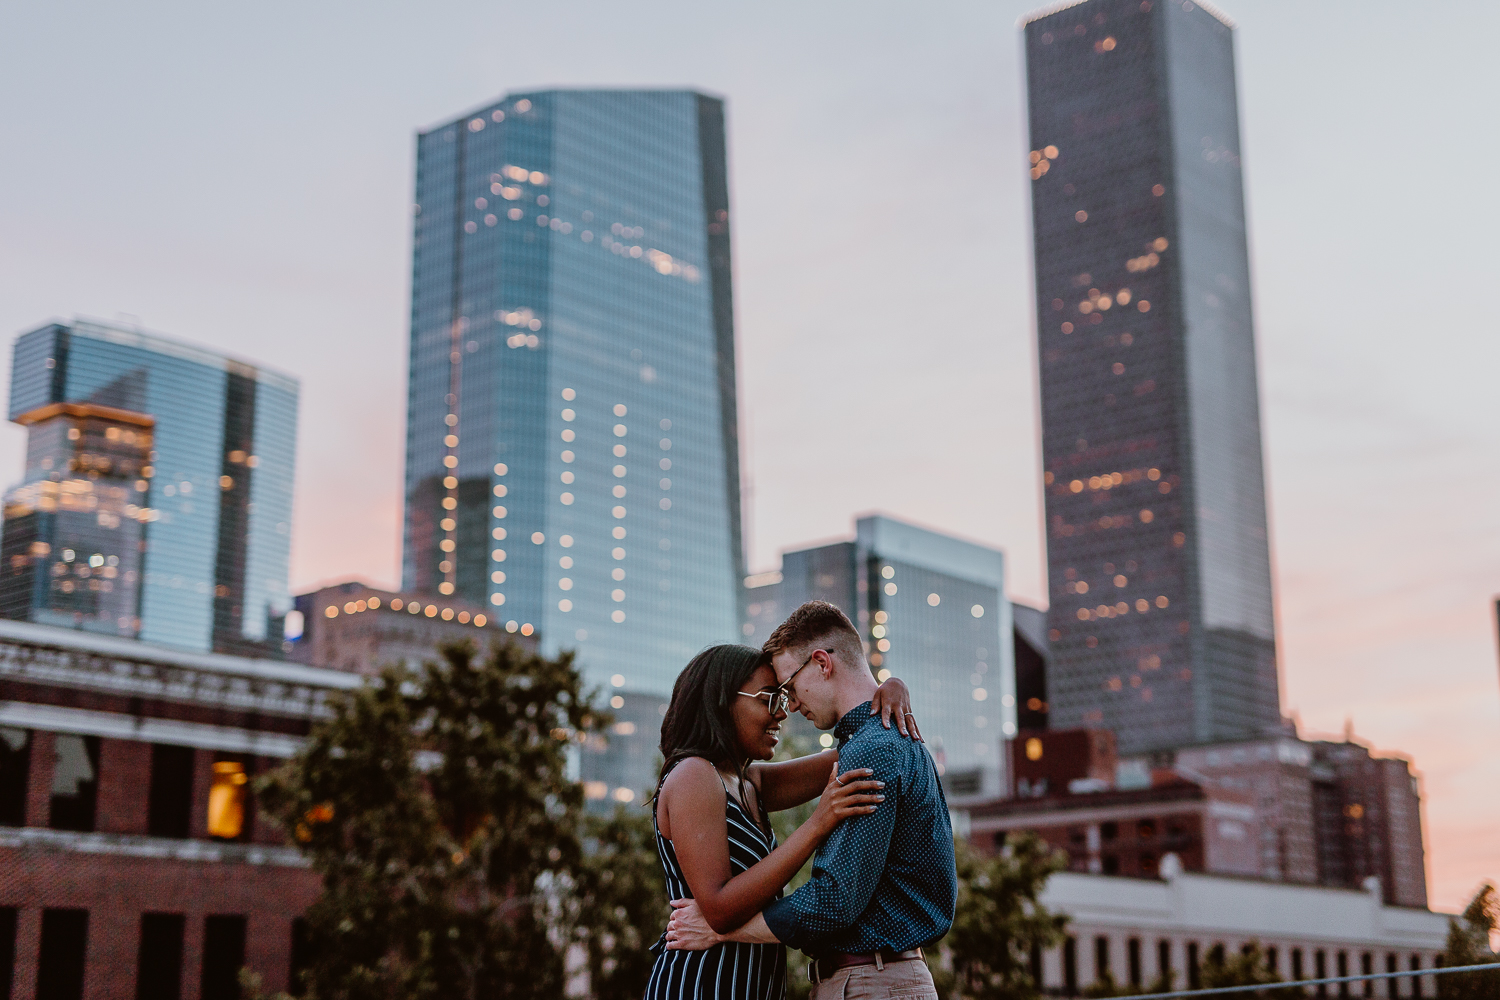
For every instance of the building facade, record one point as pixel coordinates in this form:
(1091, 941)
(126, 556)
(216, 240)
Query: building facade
(1139, 929)
(932, 611)
(1160, 613)
(362, 629)
(132, 861)
(572, 460)
(157, 498)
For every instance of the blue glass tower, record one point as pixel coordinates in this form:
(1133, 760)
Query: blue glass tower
(572, 459)
(1161, 625)
(157, 499)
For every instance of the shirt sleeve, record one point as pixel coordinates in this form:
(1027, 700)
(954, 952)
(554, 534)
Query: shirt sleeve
(847, 867)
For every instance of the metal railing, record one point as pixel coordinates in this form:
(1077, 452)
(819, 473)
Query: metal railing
(1435, 971)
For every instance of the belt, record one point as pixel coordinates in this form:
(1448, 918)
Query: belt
(822, 968)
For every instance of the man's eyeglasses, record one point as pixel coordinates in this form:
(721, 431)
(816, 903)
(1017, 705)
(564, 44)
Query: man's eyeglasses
(779, 697)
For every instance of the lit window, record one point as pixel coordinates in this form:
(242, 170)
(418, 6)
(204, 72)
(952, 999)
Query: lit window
(566, 541)
(618, 553)
(619, 451)
(568, 435)
(890, 590)
(619, 430)
(498, 576)
(501, 469)
(565, 605)
(888, 571)
(1162, 601)
(497, 600)
(569, 395)
(933, 600)
(619, 471)
(1081, 215)
(226, 800)
(618, 491)
(566, 498)
(617, 573)
(537, 538)
(617, 595)
(881, 617)
(565, 584)
(977, 611)
(617, 616)
(619, 409)
(619, 531)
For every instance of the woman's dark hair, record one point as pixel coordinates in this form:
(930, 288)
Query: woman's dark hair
(698, 722)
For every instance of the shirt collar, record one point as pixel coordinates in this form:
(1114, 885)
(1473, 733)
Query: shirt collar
(851, 722)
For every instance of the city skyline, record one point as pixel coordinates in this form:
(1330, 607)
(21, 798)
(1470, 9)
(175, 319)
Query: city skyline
(309, 256)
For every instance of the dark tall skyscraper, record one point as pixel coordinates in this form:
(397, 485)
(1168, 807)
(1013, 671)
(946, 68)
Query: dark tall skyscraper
(1161, 622)
(157, 497)
(572, 460)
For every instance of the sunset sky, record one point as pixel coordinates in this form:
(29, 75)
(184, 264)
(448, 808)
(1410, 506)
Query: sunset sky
(242, 177)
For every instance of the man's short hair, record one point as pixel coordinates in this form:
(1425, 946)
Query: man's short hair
(816, 622)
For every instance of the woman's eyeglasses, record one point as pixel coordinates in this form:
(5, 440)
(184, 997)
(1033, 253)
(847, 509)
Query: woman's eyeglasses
(777, 698)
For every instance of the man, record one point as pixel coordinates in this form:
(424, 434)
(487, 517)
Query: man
(883, 884)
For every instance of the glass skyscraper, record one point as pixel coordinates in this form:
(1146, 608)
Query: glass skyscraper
(157, 497)
(572, 459)
(1160, 623)
(932, 611)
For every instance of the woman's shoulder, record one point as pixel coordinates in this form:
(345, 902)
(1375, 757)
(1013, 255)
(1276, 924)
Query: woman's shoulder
(693, 774)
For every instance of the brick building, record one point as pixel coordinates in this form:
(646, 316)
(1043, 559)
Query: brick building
(132, 862)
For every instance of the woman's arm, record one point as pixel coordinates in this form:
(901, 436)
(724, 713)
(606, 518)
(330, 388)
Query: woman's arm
(790, 783)
(691, 815)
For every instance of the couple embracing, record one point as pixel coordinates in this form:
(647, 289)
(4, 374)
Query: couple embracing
(883, 881)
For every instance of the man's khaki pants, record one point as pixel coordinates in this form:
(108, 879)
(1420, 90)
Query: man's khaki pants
(908, 980)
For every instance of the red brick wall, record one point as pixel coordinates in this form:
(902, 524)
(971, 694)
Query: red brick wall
(39, 782)
(117, 890)
(124, 780)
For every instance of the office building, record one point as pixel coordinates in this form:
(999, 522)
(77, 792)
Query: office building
(572, 462)
(132, 858)
(157, 497)
(362, 629)
(1160, 611)
(1031, 666)
(1136, 929)
(932, 611)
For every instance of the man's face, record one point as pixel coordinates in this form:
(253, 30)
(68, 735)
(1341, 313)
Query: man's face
(802, 676)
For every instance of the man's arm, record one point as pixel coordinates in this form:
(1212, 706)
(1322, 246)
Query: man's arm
(847, 868)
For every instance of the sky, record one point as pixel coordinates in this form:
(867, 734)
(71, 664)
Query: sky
(241, 176)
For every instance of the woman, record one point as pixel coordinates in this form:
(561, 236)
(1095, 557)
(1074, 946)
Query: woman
(710, 808)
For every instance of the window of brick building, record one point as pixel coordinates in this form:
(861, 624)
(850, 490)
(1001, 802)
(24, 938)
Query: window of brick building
(75, 782)
(1110, 830)
(15, 769)
(59, 967)
(158, 968)
(1034, 965)
(1111, 864)
(229, 811)
(7, 949)
(302, 957)
(223, 955)
(170, 801)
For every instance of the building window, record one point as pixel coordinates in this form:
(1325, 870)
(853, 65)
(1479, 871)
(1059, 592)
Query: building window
(15, 770)
(1164, 963)
(1296, 963)
(158, 968)
(75, 784)
(1133, 960)
(1070, 966)
(1101, 958)
(1195, 978)
(170, 800)
(1320, 970)
(228, 812)
(1366, 968)
(1392, 965)
(223, 955)
(59, 970)
(1273, 959)
(7, 949)
(301, 959)
(1343, 967)
(1111, 864)
(1109, 831)
(1416, 981)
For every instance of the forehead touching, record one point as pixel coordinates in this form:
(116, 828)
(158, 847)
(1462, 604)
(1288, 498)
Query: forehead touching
(764, 677)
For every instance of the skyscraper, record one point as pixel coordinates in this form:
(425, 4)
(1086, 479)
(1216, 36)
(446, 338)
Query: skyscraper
(1160, 623)
(157, 497)
(932, 610)
(572, 460)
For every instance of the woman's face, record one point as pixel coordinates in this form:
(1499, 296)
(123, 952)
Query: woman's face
(756, 729)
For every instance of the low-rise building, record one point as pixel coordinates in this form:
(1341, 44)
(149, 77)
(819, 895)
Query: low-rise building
(132, 862)
(1137, 929)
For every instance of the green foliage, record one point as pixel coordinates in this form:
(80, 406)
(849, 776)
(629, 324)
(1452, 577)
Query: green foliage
(1469, 944)
(998, 922)
(619, 903)
(1247, 968)
(436, 809)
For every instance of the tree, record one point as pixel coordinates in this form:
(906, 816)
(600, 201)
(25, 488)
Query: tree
(999, 923)
(436, 808)
(619, 903)
(1469, 944)
(1248, 968)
